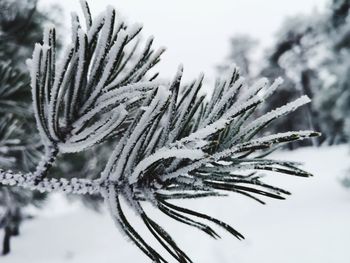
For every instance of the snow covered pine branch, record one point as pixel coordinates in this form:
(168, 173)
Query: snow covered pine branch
(170, 141)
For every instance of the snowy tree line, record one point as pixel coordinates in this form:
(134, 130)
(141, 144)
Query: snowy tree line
(312, 54)
(99, 123)
(21, 25)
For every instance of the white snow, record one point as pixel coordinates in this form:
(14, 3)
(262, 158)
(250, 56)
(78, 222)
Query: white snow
(86, 12)
(34, 67)
(224, 101)
(80, 67)
(134, 29)
(274, 114)
(103, 41)
(111, 57)
(164, 153)
(152, 110)
(312, 225)
(95, 133)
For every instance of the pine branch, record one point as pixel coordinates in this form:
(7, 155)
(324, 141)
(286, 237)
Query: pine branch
(7, 140)
(171, 143)
(86, 98)
(28, 181)
(14, 92)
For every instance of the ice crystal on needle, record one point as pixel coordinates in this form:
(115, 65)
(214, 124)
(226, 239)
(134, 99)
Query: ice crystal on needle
(170, 141)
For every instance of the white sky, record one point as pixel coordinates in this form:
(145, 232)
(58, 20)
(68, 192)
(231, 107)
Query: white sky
(196, 32)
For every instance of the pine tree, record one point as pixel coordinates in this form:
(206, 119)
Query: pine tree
(20, 26)
(332, 100)
(170, 141)
(17, 149)
(241, 49)
(312, 54)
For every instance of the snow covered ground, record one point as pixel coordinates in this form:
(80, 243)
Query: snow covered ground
(311, 226)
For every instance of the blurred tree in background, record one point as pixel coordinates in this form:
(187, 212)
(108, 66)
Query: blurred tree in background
(312, 54)
(242, 47)
(21, 25)
(333, 98)
(288, 58)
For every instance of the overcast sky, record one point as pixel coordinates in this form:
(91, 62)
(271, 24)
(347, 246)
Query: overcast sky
(196, 32)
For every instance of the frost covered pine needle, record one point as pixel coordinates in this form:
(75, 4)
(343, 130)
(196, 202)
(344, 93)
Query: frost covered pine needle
(170, 141)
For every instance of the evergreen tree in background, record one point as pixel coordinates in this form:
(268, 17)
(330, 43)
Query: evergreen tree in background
(287, 58)
(166, 140)
(21, 25)
(312, 54)
(281, 60)
(333, 99)
(242, 47)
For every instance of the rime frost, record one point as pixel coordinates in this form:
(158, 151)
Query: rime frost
(169, 142)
